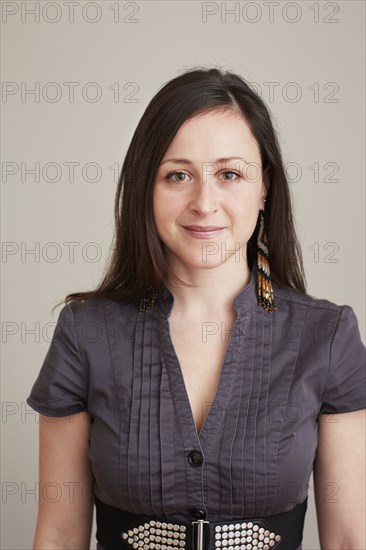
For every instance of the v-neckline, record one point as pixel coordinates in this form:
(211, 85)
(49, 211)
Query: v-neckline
(214, 418)
(243, 304)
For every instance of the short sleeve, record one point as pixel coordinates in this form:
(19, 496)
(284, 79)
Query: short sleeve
(345, 389)
(61, 386)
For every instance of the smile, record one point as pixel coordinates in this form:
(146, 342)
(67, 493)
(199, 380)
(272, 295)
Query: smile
(203, 232)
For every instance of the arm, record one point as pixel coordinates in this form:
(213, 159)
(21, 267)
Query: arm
(66, 503)
(340, 480)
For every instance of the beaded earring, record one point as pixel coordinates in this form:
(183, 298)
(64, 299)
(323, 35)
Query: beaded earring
(148, 301)
(265, 297)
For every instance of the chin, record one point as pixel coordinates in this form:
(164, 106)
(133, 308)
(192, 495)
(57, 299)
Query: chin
(198, 263)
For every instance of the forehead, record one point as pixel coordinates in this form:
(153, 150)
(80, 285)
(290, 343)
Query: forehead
(213, 135)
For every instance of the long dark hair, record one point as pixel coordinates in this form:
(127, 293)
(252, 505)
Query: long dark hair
(138, 262)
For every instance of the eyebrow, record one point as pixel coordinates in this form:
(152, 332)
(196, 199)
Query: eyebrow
(187, 161)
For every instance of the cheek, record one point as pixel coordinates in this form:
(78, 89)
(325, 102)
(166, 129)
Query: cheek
(167, 206)
(156, 213)
(157, 201)
(245, 216)
(245, 207)
(162, 210)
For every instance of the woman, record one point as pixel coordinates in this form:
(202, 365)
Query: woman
(195, 383)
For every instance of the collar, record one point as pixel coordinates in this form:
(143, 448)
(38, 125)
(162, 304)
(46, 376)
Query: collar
(245, 300)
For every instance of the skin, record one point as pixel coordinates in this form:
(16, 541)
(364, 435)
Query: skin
(66, 523)
(340, 481)
(206, 191)
(206, 195)
(65, 515)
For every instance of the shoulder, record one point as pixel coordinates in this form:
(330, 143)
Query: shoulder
(98, 315)
(296, 304)
(99, 306)
(318, 320)
(286, 294)
(96, 323)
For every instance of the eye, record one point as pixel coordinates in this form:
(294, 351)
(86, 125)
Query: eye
(235, 174)
(170, 176)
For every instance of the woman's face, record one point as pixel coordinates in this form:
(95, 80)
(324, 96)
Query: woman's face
(195, 186)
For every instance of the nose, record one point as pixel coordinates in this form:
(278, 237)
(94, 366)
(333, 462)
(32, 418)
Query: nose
(204, 199)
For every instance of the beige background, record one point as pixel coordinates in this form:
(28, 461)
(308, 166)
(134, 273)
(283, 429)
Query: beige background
(319, 56)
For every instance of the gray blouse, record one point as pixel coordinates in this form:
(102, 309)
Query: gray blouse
(254, 454)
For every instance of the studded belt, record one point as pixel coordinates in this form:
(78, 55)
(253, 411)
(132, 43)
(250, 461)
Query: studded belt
(118, 529)
(201, 534)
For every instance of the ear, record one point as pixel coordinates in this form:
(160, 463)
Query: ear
(265, 186)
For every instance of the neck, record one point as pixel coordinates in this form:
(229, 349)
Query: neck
(214, 289)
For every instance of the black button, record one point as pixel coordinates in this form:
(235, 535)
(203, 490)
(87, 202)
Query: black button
(195, 458)
(198, 513)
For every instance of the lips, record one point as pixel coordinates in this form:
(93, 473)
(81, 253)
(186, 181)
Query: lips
(203, 231)
(202, 227)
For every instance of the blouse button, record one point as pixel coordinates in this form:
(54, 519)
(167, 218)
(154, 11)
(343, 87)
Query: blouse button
(198, 513)
(195, 458)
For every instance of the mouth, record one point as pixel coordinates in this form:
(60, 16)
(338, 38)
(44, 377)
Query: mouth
(203, 232)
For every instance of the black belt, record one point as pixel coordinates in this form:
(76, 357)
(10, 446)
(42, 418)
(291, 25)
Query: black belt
(120, 530)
